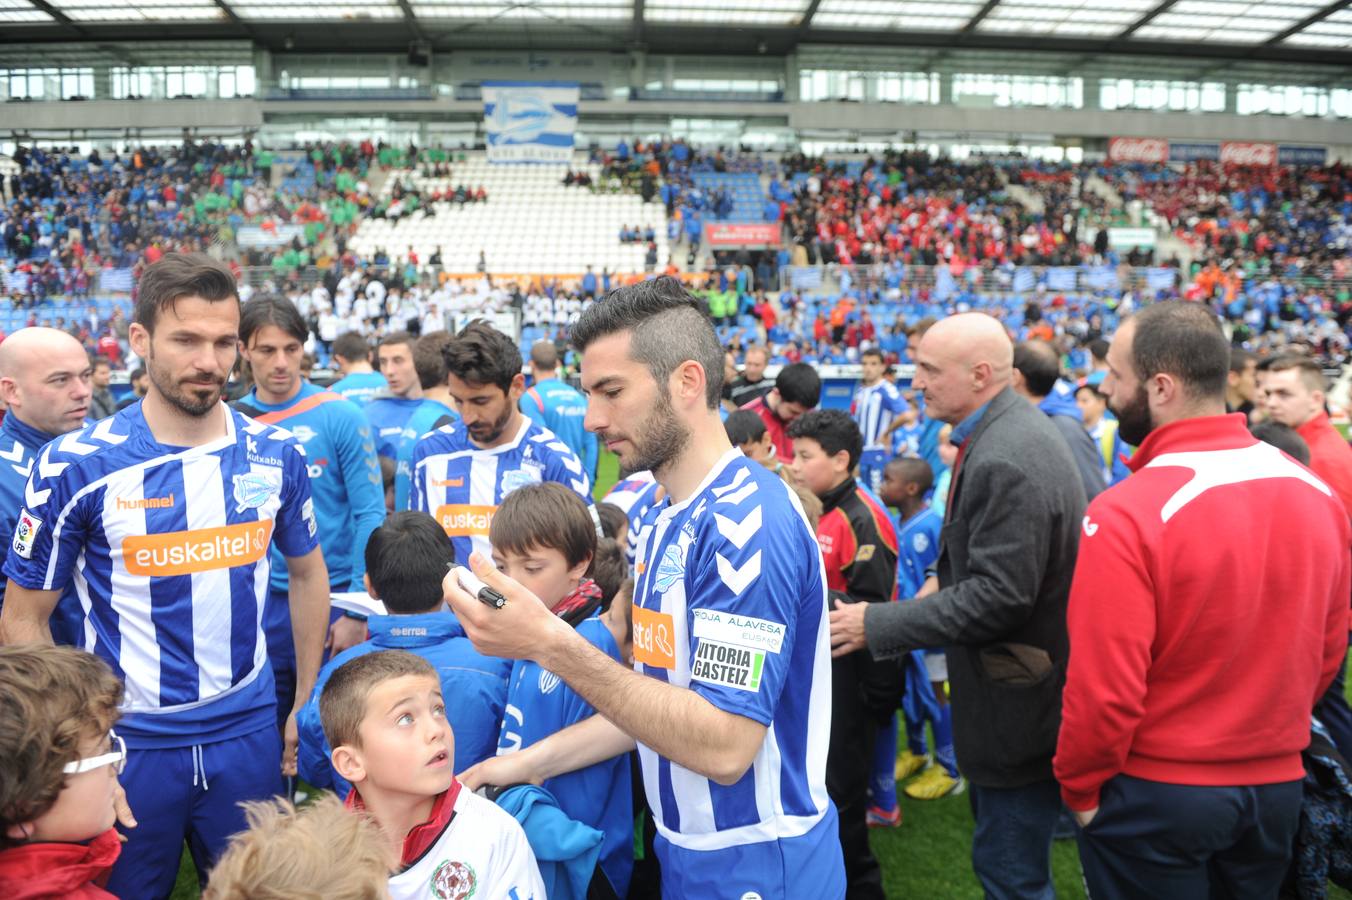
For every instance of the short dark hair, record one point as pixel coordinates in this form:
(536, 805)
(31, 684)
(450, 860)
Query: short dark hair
(397, 337)
(614, 522)
(1307, 369)
(1098, 348)
(872, 351)
(342, 703)
(1284, 438)
(833, 429)
(352, 347)
(480, 354)
(799, 383)
(97, 361)
(544, 515)
(1040, 366)
(669, 326)
(744, 427)
(913, 470)
(406, 558)
(429, 358)
(270, 310)
(1240, 359)
(137, 374)
(178, 275)
(1093, 389)
(544, 355)
(1184, 340)
(608, 569)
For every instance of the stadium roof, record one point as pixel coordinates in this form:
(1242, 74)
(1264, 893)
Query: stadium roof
(1296, 31)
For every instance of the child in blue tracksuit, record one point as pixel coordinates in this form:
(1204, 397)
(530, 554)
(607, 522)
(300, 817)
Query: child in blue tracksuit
(544, 537)
(406, 559)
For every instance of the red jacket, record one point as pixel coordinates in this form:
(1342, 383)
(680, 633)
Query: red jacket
(53, 870)
(778, 428)
(1330, 456)
(1207, 615)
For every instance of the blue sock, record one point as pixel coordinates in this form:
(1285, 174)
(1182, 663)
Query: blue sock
(943, 740)
(915, 737)
(882, 784)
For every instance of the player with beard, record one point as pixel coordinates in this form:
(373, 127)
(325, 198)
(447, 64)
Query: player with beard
(162, 516)
(730, 703)
(462, 470)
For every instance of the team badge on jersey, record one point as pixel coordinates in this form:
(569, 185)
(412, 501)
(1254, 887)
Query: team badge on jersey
(529, 473)
(920, 542)
(253, 489)
(454, 881)
(548, 681)
(672, 567)
(25, 533)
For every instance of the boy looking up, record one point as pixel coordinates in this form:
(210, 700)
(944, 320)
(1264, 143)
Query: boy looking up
(405, 560)
(385, 717)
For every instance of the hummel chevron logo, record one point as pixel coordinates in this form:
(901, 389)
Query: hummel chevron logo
(571, 463)
(71, 443)
(732, 485)
(13, 455)
(47, 468)
(739, 495)
(579, 485)
(739, 534)
(738, 579)
(104, 432)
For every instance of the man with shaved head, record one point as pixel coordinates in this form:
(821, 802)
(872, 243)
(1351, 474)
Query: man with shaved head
(998, 605)
(45, 380)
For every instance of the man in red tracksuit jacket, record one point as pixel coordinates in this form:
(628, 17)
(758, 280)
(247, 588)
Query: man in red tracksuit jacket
(859, 551)
(1208, 612)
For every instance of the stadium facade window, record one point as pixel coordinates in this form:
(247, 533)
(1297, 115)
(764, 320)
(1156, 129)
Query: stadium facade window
(860, 86)
(723, 85)
(1153, 94)
(1055, 91)
(47, 83)
(161, 82)
(1285, 100)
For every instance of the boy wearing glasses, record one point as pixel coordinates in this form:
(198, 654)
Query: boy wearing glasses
(57, 786)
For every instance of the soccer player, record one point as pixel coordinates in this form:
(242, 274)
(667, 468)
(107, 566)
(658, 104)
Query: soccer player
(878, 409)
(45, 384)
(402, 415)
(163, 516)
(462, 471)
(731, 702)
(360, 383)
(344, 476)
(553, 404)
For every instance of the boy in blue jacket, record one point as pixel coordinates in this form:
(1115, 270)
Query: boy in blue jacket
(544, 537)
(406, 559)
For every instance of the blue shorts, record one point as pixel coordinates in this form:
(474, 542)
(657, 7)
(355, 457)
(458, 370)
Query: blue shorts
(190, 794)
(810, 865)
(871, 465)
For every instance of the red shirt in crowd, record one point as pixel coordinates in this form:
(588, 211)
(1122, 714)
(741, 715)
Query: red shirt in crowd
(778, 428)
(53, 869)
(1208, 614)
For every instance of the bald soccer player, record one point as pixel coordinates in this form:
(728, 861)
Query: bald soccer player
(1011, 530)
(46, 382)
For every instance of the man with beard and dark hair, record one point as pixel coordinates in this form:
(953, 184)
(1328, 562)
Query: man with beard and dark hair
(1199, 651)
(730, 705)
(462, 470)
(162, 516)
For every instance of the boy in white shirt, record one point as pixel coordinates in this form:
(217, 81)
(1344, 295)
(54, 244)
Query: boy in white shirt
(384, 715)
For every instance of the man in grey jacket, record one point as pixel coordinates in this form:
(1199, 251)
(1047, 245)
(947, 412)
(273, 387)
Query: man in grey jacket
(1037, 378)
(1004, 571)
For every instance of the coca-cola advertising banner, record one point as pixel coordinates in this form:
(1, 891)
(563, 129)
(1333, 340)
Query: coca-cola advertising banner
(1230, 153)
(742, 234)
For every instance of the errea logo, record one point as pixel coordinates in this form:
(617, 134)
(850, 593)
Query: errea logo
(1090, 528)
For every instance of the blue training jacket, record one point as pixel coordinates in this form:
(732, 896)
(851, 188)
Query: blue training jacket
(19, 446)
(359, 387)
(340, 456)
(396, 424)
(474, 687)
(562, 409)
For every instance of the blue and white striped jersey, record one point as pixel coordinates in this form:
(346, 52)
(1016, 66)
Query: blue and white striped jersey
(462, 485)
(874, 408)
(730, 602)
(168, 551)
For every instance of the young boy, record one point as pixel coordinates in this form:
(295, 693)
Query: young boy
(320, 850)
(906, 482)
(543, 536)
(59, 772)
(1102, 428)
(748, 433)
(386, 720)
(406, 558)
(859, 549)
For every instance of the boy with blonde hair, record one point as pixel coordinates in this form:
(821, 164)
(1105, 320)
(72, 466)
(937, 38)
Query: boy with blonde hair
(58, 779)
(385, 717)
(318, 852)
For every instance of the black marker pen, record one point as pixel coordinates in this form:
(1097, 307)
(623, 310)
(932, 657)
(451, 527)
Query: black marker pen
(471, 583)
